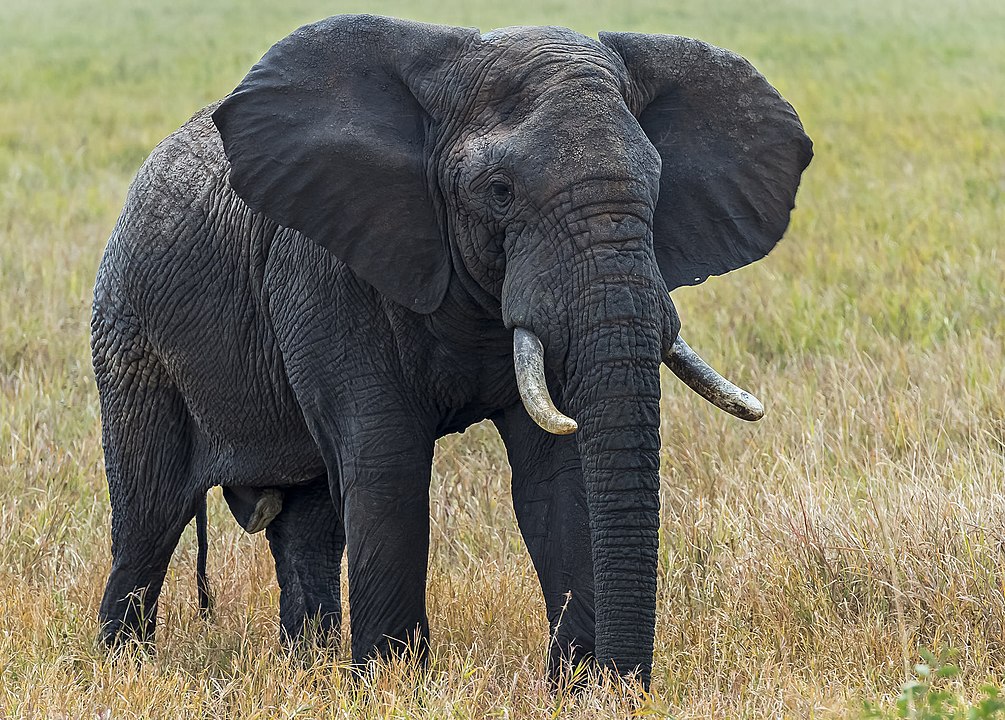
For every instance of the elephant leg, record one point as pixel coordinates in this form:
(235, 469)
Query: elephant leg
(549, 497)
(307, 541)
(385, 496)
(376, 439)
(146, 437)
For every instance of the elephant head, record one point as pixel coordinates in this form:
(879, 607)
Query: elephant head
(569, 182)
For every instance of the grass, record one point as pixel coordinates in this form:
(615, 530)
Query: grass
(805, 560)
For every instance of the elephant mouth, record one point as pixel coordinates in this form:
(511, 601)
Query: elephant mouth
(685, 363)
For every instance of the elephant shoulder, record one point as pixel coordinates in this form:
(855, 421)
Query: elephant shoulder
(187, 165)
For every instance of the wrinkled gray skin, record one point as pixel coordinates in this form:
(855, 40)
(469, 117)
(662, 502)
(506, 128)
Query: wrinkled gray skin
(513, 187)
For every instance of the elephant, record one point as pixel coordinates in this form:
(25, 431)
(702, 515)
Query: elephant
(392, 230)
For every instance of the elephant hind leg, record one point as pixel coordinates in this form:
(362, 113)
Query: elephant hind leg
(307, 541)
(146, 433)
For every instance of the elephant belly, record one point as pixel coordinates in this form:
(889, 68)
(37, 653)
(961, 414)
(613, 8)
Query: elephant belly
(249, 428)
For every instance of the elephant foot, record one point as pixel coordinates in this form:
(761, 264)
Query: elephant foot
(127, 620)
(410, 649)
(569, 666)
(319, 635)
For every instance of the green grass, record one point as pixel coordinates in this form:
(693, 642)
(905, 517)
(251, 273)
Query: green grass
(804, 560)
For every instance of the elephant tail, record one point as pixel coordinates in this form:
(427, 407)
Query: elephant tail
(201, 580)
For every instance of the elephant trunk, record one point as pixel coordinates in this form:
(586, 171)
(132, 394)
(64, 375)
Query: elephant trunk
(613, 390)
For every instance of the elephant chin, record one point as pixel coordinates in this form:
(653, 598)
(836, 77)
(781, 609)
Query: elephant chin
(686, 364)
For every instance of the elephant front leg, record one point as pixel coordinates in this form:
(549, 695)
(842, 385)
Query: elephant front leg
(549, 497)
(385, 499)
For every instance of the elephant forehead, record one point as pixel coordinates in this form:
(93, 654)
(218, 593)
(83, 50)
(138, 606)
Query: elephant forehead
(524, 38)
(574, 131)
(594, 141)
(549, 104)
(516, 63)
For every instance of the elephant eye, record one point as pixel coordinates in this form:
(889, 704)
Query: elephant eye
(501, 194)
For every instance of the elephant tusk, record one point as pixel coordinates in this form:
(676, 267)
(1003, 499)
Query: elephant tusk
(528, 361)
(700, 377)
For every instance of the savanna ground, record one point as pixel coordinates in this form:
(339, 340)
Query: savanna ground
(804, 560)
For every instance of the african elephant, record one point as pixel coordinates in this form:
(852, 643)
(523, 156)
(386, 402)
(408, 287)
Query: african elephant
(390, 231)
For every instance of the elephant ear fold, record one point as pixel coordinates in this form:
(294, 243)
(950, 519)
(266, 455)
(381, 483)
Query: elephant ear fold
(327, 134)
(732, 148)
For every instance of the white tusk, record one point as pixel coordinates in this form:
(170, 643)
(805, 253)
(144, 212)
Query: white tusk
(528, 361)
(700, 377)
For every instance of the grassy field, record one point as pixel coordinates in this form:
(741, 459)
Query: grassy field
(805, 560)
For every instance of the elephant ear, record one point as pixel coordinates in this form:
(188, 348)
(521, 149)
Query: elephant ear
(732, 148)
(326, 135)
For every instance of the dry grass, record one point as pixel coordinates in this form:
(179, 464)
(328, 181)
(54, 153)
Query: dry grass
(804, 560)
